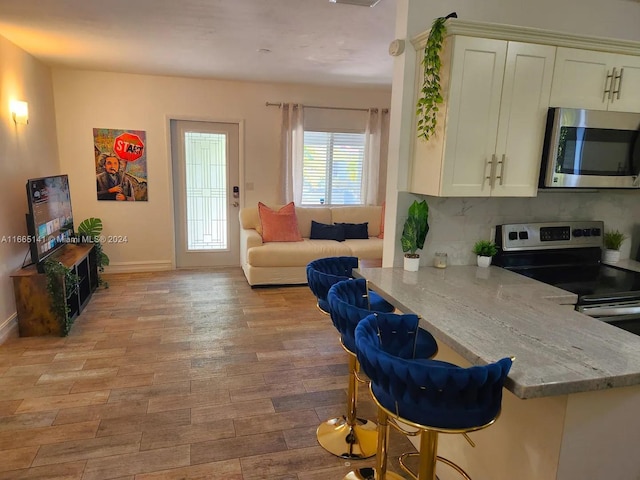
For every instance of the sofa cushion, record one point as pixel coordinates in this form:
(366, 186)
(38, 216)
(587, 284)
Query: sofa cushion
(370, 249)
(355, 230)
(359, 214)
(322, 231)
(306, 214)
(279, 225)
(249, 218)
(296, 254)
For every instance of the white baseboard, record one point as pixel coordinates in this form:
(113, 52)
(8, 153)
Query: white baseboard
(137, 267)
(9, 328)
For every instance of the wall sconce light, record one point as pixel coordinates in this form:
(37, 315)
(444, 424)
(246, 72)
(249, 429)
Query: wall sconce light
(20, 112)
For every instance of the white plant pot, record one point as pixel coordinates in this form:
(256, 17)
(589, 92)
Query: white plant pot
(611, 256)
(483, 261)
(411, 264)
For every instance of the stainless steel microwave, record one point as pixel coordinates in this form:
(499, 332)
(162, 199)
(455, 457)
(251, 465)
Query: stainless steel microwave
(591, 149)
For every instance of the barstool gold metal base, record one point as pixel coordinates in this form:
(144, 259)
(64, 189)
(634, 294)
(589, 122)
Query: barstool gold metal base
(348, 441)
(370, 474)
(446, 461)
(322, 310)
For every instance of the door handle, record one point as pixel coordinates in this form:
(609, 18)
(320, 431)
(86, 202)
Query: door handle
(619, 78)
(491, 171)
(609, 81)
(235, 204)
(501, 163)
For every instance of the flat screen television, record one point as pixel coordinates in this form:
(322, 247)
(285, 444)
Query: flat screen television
(49, 221)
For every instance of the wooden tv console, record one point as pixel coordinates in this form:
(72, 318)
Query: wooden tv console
(33, 303)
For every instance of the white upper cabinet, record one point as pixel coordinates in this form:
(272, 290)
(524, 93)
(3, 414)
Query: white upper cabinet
(596, 80)
(491, 125)
(523, 112)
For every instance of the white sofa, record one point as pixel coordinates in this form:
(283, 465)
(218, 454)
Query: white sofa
(284, 263)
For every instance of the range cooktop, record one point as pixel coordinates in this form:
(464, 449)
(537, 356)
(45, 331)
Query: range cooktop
(566, 255)
(597, 281)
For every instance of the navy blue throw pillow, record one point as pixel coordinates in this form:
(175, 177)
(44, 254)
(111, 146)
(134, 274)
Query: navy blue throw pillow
(322, 231)
(355, 230)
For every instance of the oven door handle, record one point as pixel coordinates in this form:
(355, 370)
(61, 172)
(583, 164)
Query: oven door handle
(621, 319)
(633, 296)
(604, 311)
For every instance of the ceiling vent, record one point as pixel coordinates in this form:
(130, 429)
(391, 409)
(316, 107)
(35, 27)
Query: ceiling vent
(360, 3)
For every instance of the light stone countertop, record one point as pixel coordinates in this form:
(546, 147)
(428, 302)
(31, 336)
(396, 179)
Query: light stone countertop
(626, 264)
(485, 314)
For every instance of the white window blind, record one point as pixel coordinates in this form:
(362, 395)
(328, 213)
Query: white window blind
(332, 168)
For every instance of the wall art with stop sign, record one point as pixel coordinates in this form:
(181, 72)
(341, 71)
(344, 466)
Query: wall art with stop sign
(121, 164)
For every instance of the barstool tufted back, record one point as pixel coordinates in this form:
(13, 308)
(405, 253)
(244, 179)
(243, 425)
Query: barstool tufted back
(349, 305)
(325, 272)
(426, 392)
(338, 266)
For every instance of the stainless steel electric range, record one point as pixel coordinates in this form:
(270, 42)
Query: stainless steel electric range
(567, 255)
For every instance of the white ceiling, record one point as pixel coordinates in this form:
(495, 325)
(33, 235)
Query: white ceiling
(310, 41)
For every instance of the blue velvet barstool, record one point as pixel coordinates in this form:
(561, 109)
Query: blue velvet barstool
(348, 436)
(325, 272)
(429, 395)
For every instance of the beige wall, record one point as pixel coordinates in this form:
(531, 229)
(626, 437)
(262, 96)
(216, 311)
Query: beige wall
(85, 100)
(26, 151)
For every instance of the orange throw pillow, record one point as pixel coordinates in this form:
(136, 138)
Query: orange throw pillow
(384, 204)
(280, 225)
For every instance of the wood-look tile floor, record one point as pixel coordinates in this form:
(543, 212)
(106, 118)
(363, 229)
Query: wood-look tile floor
(188, 374)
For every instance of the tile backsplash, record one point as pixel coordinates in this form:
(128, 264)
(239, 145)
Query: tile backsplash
(456, 223)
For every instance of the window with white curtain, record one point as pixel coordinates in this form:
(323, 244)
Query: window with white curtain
(332, 168)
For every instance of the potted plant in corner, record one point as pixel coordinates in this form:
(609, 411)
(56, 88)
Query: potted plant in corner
(90, 231)
(414, 233)
(613, 240)
(485, 250)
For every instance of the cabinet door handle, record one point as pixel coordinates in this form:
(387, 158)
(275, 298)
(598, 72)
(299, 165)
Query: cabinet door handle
(609, 82)
(501, 163)
(619, 78)
(492, 170)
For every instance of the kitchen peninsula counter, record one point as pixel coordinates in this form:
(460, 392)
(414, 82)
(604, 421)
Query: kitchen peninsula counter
(575, 382)
(486, 314)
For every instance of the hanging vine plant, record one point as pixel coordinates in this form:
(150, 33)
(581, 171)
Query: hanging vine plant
(61, 283)
(431, 93)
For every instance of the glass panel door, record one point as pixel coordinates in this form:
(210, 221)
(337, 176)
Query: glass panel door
(205, 169)
(206, 190)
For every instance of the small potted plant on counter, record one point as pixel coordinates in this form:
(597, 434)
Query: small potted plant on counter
(613, 240)
(414, 233)
(485, 250)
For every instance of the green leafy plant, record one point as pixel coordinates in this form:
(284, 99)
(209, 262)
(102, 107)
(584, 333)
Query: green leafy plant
(431, 93)
(415, 229)
(90, 230)
(61, 283)
(613, 239)
(485, 248)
